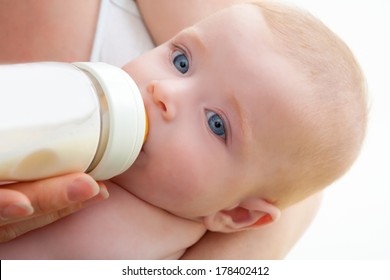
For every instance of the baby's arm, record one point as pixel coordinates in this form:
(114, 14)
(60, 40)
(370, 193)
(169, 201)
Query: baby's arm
(121, 227)
(30, 205)
(271, 242)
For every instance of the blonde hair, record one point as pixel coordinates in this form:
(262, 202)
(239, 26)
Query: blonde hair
(337, 94)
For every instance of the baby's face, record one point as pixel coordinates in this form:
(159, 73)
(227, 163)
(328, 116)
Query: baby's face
(219, 103)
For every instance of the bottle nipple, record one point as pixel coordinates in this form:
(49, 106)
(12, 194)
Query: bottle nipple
(146, 127)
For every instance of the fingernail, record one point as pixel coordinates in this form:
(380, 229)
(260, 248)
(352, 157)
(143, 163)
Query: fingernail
(82, 188)
(103, 192)
(16, 210)
(103, 195)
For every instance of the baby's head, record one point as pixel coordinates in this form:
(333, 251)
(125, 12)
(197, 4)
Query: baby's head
(251, 110)
(331, 105)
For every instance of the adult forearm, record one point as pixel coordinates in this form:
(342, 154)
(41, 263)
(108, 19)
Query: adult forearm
(165, 18)
(271, 242)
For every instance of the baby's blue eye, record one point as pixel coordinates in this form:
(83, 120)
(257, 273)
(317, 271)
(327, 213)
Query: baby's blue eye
(216, 124)
(180, 61)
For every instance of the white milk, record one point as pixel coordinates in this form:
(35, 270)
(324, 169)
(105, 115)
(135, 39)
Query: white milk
(58, 118)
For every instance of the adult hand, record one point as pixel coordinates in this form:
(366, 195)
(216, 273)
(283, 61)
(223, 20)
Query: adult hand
(31, 205)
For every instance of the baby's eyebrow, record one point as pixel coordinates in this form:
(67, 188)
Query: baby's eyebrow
(192, 34)
(244, 129)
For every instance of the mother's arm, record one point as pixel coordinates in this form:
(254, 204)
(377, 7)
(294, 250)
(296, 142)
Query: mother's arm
(165, 18)
(270, 242)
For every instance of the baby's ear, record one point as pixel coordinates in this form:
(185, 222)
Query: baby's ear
(250, 213)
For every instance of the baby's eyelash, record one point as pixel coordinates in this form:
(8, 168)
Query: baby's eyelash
(177, 46)
(180, 61)
(218, 124)
(180, 58)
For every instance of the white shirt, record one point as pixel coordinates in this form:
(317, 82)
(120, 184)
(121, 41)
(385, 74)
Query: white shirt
(120, 34)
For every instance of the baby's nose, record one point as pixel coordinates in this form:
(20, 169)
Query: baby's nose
(163, 99)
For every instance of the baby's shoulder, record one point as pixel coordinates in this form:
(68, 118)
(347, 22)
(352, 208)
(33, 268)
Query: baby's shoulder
(147, 231)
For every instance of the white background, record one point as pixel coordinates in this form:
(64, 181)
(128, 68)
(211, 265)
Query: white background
(354, 219)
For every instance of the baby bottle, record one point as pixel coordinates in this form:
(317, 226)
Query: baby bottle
(58, 118)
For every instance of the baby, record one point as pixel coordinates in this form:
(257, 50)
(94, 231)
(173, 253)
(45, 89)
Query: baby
(251, 110)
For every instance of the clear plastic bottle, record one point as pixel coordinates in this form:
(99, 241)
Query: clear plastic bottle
(58, 118)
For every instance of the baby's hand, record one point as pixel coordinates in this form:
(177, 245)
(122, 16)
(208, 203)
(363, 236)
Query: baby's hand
(28, 206)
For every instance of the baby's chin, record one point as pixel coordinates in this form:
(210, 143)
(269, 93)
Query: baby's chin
(140, 161)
